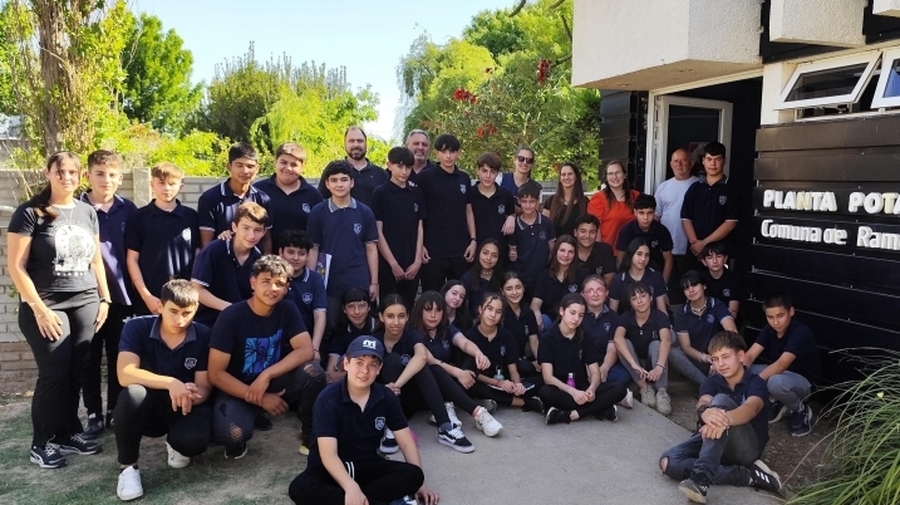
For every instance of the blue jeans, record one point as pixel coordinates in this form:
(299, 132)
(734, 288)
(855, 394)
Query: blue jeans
(790, 388)
(721, 462)
(618, 373)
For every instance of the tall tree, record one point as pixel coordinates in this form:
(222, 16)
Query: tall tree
(157, 88)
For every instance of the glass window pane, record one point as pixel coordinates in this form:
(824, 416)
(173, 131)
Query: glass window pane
(893, 80)
(826, 83)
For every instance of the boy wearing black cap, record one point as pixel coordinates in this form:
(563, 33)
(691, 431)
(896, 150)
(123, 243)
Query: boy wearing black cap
(399, 210)
(350, 418)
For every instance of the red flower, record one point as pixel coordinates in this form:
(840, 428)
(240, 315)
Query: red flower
(488, 70)
(543, 71)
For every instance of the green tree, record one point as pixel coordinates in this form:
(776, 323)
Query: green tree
(157, 88)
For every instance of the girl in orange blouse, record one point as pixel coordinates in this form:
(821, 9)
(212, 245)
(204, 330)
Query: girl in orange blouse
(612, 205)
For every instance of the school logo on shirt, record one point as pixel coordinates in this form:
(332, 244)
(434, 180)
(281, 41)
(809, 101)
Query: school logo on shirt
(379, 423)
(654, 244)
(502, 350)
(305, 208)
(405, 359)
(723, 199)
(606, 327)
(526, 330)
(599, 270)
(357, 228)
(580, 351)
(186, 234)
(307, 298)
(573, 288)
(415, 207)
(726, 293)
(190, 363)
(710, 319)
(501, 209)
(542, 235)
(445, 344)
(462, 188)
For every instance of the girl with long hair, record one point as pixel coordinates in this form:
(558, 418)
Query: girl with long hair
(520, 321)
(569, 202)
(458, 314)
(635, 269)
(564, 276)
(485, 274)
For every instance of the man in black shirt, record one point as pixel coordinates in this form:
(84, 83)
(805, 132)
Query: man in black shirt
(366, 176)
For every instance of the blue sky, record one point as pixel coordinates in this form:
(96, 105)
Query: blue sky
(367, 37)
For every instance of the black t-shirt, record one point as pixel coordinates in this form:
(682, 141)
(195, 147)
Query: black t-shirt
(288, 211)
(551, 290)
(400, 211)
(500, 351)
(601, 260)
(641, 336)
(566, 227)
(725, 288)
(446, 233)
(141, 336)
(59, 260)
(475, 293)
(568, 356)
(657, 236)
(342, 336)
(441, 346)
(255, 342)
(600, 328)
(797, 340)
(521, 326)
(750, 385)
(405, 347)
(364, 183)
(491, 212)
(618, 288)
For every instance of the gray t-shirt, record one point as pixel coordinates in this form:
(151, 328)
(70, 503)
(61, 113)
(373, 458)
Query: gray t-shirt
(61, 249)
(669, 198)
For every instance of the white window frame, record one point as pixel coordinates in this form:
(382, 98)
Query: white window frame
(870, 58)
(887, 61)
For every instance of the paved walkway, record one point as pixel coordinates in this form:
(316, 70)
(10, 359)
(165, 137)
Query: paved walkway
(585, 462)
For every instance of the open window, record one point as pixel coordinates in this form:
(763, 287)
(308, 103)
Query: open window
(887, 92)
(831, 82)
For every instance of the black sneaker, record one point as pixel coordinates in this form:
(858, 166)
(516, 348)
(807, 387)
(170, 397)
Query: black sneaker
(533, 404)
(237, 451)
(47, 456)
(762, 477)
(693, 490)
(556, 416)
(77, 444)
(110, 422)
(801, 421)
(610, 414)
(262, 423)
(777, 412)
(455, 439)
(94, 426)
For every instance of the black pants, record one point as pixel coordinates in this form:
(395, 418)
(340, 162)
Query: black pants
(607, 395)
(54, 407)
(483, 391)
(381, 480)
(452, 391)
(420, 392)
(440, 270)
(388, 284)
(148, 412)
(107, 338)
(679, 267)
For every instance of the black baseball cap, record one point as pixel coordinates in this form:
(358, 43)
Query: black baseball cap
(365, 345)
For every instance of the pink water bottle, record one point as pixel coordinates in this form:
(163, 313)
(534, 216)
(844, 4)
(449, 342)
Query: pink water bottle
(571, 381)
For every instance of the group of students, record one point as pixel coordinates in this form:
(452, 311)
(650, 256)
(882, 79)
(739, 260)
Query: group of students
(221, 334)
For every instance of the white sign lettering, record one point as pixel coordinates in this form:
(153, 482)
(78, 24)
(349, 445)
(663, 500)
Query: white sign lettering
(816, 201)
(874, 203)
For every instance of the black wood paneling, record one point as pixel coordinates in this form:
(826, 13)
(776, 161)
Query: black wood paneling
(863, 166)
(847, 270)
(856, 132)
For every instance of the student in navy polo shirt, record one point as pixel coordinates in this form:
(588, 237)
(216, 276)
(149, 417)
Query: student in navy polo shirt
(696, 322)
(567, 353)
(519, 320)
(564, 276)
(218, 204)
(492, 207)
(597, 257)
(260, 359)
(532, 238)
(350, 418)
(307, 287)
(485, 274)
(732, 409)
(635, 269)
(356, 320)
(449, 235)
(223, 268)
(399, 210)
(162, 239)
(721, 282)
(656, 235)
(366, 176)
(345, 236)
(419, 143)
(710, 210)
(291, 198)
(113, 211)
(599, 324)
(788, 361)
(162, 364)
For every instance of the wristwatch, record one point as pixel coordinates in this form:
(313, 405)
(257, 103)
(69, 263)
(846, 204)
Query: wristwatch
(106, 301)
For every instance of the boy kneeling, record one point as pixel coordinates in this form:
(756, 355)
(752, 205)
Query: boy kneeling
(349, 420)
(733, 410)
(162, 365)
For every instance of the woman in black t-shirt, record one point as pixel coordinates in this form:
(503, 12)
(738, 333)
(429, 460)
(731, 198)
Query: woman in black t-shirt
(520, 321)
(54, 261)
(565, 275)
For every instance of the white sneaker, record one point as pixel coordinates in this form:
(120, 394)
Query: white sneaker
(485, 422)
(129, 487)
(628, 401)
(451, 413)
(176, 459)
(388, 443)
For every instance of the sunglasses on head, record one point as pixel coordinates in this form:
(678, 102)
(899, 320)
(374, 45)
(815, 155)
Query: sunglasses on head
(522, 159)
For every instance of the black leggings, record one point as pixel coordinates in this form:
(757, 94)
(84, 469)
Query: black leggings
(483, 391)
(381, 480)
(421, 391)
(607, 395)
(108, 338)
(148, 412)
(54, 407)
(452, 391)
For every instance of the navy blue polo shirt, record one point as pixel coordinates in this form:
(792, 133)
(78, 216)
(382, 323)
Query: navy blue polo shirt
(551, 290)
(112, 246)
(707, 207)
(522, 326)
(218, 270)
(166, 242)
(141, 336)
(725, 288)
(642, 335)
(358, 431)
(501, 351)
(342, 336)
(508, 181)
(288, 211)
(600, 328)
(400, 211)
(601, 260)
(657, 236)
(405, 347)
(618, 288)
(255, 342)
(491, 212)
(532, 243)
(701, 328)
(568, 356)
(364, 183)
(475, 293)
(218, 204)
(307, 291)
(343, 233)
(798, 340)
(750, 385)
(414, 176)
(446, 231)
(441, 345)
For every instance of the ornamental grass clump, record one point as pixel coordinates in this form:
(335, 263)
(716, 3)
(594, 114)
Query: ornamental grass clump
(863, 457)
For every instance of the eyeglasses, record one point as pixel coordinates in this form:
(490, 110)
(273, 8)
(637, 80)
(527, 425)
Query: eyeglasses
(593, 291)
(614, 174)
(522, 159)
